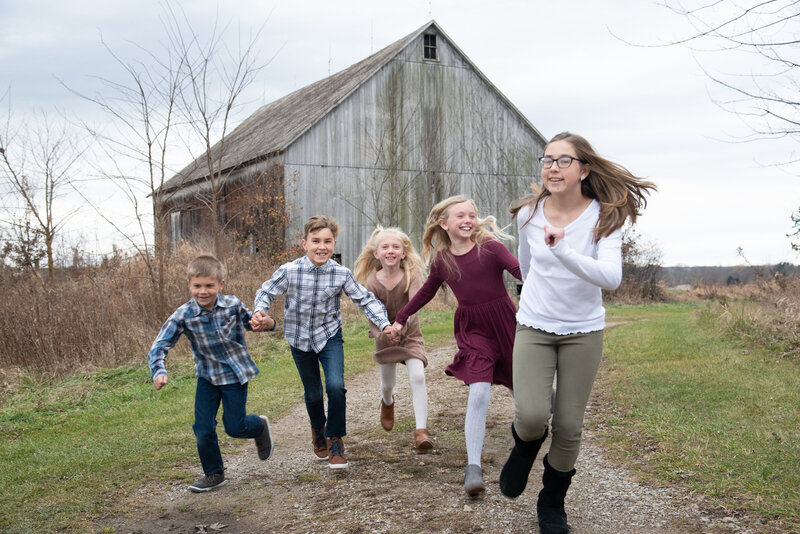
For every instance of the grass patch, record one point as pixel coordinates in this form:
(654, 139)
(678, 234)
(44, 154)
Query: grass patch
(72, 449)
(696, 407)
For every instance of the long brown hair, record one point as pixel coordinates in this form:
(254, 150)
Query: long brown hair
(621, 194)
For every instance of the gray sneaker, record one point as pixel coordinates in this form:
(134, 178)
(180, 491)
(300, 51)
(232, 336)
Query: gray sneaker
(473, 480)
(264, 441)
(203, 484)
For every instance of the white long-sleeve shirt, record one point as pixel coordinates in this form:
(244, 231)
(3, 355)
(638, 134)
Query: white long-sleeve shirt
(562, 290)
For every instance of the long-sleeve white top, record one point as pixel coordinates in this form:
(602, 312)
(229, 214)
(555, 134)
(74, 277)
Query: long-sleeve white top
(562, 286)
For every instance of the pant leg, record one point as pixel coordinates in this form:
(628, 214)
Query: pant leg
(332, 359)
(534, 368)
(307, 363)
(206, 404)
(579, 358)
(234, 413)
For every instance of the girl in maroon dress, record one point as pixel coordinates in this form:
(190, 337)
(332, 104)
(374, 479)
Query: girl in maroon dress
(468, 257)
(391, 269)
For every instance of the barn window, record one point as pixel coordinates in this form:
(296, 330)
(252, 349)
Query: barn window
(175, 225)
(429, 48)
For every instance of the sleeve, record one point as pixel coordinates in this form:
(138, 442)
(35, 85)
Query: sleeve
(372, 307)
(605, 271)
(507, 260)
(374, 332)
(524, 249)
(276, 285)
(421, 297)
(165, 340)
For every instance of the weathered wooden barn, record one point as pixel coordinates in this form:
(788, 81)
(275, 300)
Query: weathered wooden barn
(377, 143)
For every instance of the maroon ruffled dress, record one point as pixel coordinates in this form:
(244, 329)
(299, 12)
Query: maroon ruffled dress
(485, 320)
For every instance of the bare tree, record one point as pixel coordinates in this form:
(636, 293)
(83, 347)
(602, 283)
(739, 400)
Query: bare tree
(762, 30)
(767, 31)
(172, 102)
(37, 162)
(140, 137)
(214, 76)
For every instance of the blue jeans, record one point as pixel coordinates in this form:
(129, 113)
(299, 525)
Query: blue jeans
(236, 421)
(332, 359)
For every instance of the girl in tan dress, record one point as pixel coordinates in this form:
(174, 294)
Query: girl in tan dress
(391, 269)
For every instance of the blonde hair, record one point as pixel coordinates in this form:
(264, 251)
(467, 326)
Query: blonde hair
(621, 194)
(206, 265)
(435, 239)
(367, 262)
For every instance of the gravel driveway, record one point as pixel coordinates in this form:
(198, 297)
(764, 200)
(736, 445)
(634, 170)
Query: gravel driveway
(389, 488)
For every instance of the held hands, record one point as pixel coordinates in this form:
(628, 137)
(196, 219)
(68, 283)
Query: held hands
(261, 321)
(552, 235)
(390, 336)
(160, 381)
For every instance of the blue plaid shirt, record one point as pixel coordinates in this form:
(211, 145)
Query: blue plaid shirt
(311, 311)
(217, 339)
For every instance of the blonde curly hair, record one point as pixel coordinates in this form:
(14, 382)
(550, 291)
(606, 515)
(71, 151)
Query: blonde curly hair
(368, 263)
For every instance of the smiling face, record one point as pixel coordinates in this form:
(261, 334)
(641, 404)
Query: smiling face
(319, 246)
(389, 252)
(461, 221)
(560, 181)
(204, 290)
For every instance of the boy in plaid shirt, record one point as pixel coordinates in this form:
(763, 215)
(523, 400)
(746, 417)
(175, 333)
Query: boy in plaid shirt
(313, 285)
(214, 325)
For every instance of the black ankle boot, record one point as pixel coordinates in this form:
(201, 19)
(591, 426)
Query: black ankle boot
(550, 506)
(514, 476)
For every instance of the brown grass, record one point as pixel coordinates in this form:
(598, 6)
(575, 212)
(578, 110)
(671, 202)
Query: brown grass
(765, 312)
(103, 315)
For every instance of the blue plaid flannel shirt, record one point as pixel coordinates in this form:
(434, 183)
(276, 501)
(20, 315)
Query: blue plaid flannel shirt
(217, 340)
(311, 311)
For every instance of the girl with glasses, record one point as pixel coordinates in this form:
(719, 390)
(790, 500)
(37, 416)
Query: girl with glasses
(570, 249)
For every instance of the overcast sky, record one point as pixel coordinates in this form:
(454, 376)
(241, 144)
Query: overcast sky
(559, 63)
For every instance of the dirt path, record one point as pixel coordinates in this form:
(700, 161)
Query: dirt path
(389, 488)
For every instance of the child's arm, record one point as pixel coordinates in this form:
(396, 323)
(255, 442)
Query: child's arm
(372, 307)
(276, 285)
(165, 340)
(420, 298)
(506, 259)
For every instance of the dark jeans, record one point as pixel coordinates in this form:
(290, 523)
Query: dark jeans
(236, 421)
(332, 359)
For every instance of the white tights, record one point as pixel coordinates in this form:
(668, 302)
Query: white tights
(416, 379)
(475, 420)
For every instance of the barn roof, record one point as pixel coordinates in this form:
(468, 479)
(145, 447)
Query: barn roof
(275, 126)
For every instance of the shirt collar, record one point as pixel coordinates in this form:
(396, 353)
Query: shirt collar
(307, 265)
(222, 302)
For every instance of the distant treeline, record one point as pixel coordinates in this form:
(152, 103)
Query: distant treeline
(740, 274)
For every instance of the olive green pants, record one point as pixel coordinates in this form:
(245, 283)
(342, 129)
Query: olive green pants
(540, 358)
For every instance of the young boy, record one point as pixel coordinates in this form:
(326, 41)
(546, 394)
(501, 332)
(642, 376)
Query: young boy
(313, 285)
(214, 324)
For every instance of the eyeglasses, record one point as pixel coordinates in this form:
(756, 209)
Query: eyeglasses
(563, 162)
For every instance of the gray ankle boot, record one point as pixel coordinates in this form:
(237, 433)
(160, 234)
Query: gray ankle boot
(473, 480)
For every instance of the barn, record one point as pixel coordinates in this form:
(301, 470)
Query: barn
(378, 143)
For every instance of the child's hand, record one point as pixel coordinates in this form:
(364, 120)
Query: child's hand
(552, 235)
(390, 336)
(261, 321)
(160, 381)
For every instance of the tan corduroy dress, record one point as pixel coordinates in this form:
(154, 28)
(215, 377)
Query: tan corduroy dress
(411, 344)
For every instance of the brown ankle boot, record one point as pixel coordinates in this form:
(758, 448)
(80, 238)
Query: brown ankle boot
(422, 441)
(387, 415)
